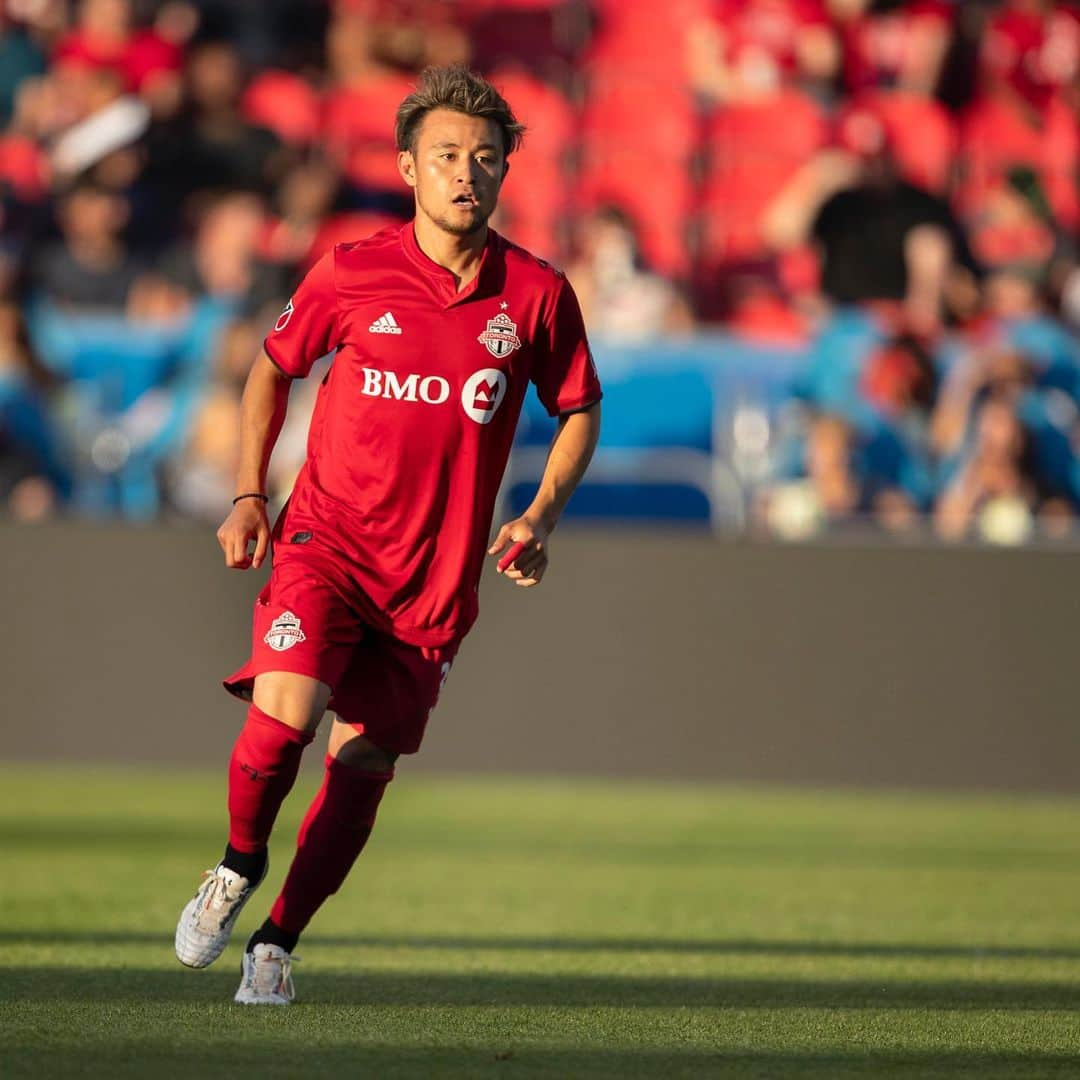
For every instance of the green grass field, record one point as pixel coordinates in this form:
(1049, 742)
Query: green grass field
(513, 928)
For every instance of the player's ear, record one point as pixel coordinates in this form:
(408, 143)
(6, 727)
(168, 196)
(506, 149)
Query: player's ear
(406, 164)
(506, 167)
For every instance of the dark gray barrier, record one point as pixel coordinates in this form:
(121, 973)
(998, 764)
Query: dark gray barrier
(668, 655)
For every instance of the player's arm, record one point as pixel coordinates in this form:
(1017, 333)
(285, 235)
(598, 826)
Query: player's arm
(305, 330)
(262, 412)
(569, 457)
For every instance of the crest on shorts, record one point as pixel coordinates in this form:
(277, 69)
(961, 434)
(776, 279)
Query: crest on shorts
(284, 632)
(500, 338)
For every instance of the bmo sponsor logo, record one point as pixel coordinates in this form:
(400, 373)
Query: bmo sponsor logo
(431, 389)
(482, 394)
(484, 391)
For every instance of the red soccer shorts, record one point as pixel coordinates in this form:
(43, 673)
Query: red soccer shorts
(309, 620)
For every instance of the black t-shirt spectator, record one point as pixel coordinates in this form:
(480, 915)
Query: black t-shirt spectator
(862, 232)
(60, 277)
(185, 159)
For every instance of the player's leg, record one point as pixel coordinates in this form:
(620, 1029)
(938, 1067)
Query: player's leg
(387, 694)
(284, 715)
(332, 835)
(334, 831)
(302, 637)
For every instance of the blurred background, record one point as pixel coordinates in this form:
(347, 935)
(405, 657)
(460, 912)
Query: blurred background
(825, 248)
(826, 253)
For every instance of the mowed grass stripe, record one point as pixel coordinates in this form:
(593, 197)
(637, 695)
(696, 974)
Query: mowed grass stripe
(555, 928)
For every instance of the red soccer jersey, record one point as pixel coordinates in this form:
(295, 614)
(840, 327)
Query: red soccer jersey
(414, 422)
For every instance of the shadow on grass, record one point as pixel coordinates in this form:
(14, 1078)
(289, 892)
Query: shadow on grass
(164, 1060)
(759, 847)
(706, 947)
(82, 985)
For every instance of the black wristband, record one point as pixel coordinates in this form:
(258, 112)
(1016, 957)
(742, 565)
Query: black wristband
(252, 495)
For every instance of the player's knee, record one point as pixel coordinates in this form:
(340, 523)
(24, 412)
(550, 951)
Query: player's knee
(296, 700)
(359, 752)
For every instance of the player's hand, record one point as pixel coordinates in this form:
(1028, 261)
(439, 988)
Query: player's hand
(246, 523)
(525, 543)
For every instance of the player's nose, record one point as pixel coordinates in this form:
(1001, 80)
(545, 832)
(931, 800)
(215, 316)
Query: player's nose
(471, 172)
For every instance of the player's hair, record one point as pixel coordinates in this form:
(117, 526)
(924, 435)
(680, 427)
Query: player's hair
(457, 88)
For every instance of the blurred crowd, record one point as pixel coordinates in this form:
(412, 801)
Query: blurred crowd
(889, 186)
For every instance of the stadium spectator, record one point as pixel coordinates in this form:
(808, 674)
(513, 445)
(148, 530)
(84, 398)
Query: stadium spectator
(105, 37)
(209, 145)
(90, 267)
(358, 110)
(835, 473)
(883, 239)
(738, 50)
(619, 297)
(874, 196)
(21, 58)
(308, 194)
(1024, 113)
(996, 484)
(893, 45)
(34, 479)
(222, 262)
(201, 476)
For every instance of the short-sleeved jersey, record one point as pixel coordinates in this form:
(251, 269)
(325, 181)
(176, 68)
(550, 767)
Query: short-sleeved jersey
(414, 422)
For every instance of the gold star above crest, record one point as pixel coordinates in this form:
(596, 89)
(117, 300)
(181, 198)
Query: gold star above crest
(504, 305)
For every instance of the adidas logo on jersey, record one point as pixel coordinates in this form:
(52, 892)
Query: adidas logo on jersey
(385, 324)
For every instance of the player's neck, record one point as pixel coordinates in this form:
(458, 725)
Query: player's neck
(460, 255)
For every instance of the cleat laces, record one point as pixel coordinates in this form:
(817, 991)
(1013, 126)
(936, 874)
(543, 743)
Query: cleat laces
(273, 975)
(215, 910)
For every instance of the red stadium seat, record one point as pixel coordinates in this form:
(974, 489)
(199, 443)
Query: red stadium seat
(541, 107)
(657, 193)
(531, 32)
(919, 131)
(24, 167)
(755, 149)
(613, 111)
(536, 196)
(284, 103)
(358, 129)
(639, 36)
(995, 139)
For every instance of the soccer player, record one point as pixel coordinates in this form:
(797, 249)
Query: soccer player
(439, 327)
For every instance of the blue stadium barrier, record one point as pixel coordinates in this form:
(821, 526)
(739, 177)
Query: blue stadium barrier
(668, 408)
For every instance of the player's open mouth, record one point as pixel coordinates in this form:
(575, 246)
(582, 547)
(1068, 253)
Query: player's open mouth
(465, 200)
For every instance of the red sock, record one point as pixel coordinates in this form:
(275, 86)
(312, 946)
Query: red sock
(262, 771)
(333, 834)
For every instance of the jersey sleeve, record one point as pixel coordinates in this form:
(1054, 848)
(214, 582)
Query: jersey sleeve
(308, 327)
(564, 373)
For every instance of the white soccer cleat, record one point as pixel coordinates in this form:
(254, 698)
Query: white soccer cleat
(206, 923)
(267, 977)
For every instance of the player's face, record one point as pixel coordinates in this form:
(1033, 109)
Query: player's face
(456, 170)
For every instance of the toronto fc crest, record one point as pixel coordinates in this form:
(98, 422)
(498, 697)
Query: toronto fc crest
(500, 337)
(284, 632)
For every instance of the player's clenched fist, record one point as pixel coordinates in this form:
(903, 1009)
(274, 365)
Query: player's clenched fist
(247, 522)
(525, 544)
